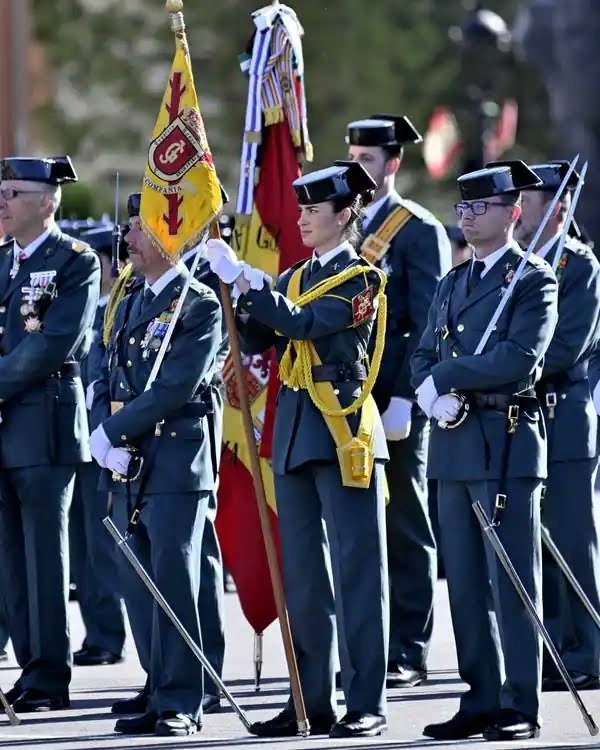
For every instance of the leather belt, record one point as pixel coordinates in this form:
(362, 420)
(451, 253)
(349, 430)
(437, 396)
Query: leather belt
(501, 401)
(193, 409)
(339, 372)
(574, 374)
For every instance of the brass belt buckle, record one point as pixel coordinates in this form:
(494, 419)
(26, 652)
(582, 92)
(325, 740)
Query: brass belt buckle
(513, 418)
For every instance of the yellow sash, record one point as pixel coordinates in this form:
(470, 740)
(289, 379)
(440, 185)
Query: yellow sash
(377, 244)
(355, 453)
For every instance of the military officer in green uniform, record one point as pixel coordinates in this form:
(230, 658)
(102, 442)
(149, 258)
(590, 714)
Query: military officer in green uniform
(49, 286)
(328, 452)
(168, 425)
(496, 455)
(568, 507)
(407, 242)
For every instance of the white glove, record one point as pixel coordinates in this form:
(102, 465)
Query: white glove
(596, 398)
(426, 395)
(446, 408)
(223, 261)
(396, 419)
(99, 446)
(117, 459)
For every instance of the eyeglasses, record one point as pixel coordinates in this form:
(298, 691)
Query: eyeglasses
(8, 194)
(478, 208)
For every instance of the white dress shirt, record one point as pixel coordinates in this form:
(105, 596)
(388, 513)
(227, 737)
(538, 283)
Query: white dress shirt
(166, 278)
(545, 249)
(491, 260)
(371, 210)
(330, 254)
(26, 252)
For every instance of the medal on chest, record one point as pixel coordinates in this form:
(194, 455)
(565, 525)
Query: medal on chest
(41, 285)
(153, 337)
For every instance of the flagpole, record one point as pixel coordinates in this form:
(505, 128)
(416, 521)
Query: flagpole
(263, 509)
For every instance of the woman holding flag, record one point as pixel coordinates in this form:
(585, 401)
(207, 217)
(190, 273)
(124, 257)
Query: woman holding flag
(328, 451)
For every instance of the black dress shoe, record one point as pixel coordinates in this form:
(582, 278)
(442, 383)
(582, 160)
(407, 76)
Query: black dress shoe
(403, 675)
(94, 656)
(285, 725)
(136, 705)
(11, 696)
(144, 724)
(171, 724)
(32, 700)
(580, 680)
(357, 724)
(511, 725)
(461, 726)
(211, 704)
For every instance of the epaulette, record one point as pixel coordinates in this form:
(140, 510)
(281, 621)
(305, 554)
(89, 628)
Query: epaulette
(576, 246)
(536, 260)
(418, 211)
(79, 247)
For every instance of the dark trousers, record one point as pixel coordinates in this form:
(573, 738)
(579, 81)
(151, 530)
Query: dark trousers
(211, 602)
(34, 571)
(335, 573)
(168, 544)
(94, 563)
(499, 652)
(569, 514)
(411, 548)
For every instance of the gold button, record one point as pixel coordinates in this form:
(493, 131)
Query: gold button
(2, 309)
(173, 434)
(123, 437)
(460, 328)
(248, 303)
(129, 363)
(454, 354)
(132, 340)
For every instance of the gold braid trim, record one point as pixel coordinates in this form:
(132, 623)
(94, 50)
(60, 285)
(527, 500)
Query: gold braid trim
(117, 293)
(298, 373)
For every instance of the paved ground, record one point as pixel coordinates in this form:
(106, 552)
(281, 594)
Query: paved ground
(88, 725)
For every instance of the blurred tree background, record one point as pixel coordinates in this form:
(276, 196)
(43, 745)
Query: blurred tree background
(107, 63)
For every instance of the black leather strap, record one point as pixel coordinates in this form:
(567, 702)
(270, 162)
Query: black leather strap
(339, 372)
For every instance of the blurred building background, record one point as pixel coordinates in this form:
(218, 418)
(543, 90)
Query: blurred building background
(512, 77)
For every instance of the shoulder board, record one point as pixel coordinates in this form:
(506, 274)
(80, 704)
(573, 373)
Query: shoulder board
(535, 260)
(79, 247)
(577, 247)
(418, 211)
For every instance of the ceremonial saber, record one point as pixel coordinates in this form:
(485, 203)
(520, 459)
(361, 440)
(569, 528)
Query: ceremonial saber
(569, 216)
(123, 545)
(498, 547)
(568, 573)
(521, 267)
(9, 710)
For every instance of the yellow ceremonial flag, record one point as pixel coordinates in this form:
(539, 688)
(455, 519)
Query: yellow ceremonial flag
(181, 194)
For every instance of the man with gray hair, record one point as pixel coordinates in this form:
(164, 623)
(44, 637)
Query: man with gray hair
(49, 286)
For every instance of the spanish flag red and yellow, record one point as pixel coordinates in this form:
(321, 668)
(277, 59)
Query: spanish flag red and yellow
(266, 236)
(181, 194)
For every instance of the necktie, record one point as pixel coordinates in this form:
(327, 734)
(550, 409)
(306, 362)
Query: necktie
(147, 300)
(476, 271)
(315, 265)
(21, 257)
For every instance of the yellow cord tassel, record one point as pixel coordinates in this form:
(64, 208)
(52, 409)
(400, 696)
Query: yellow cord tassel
(297, 373)
(117, 293)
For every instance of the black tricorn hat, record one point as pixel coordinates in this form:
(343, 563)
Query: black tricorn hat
(552, 174)
(497, 178)
(382, 130)
(344, 181)
(54, 170)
